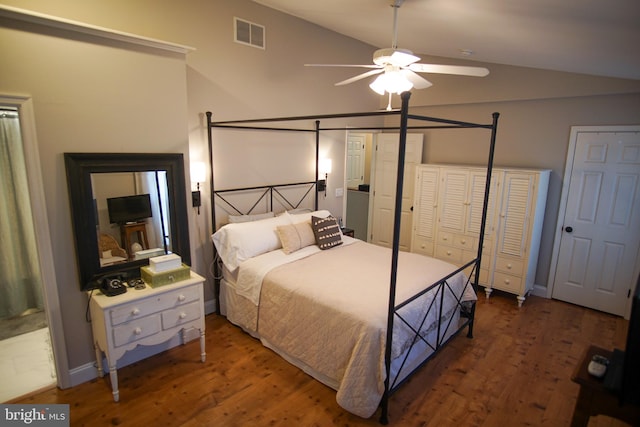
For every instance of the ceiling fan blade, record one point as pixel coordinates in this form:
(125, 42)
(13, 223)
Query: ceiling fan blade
(344, 65)
(359, 77)
(449, 69)
(419, 82)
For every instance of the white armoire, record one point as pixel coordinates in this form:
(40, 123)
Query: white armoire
(447, 216)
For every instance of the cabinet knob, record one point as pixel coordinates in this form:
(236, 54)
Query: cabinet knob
(509, 266)
(448, 252)
(463, 241)
(507, 281)
(137, 331)
(183, 315)
(181, 297)
(135, 311)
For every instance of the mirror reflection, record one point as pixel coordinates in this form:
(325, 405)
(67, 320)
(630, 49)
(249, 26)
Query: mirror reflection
(132, 215)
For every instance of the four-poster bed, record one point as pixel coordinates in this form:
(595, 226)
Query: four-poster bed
(358, 317)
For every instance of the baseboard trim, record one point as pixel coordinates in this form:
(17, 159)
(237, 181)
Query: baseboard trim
(539, 291)
(83, 373)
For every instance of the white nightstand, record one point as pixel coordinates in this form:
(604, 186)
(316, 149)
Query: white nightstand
(144, 317)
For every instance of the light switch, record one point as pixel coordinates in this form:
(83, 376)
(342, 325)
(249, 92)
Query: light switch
(339, 192)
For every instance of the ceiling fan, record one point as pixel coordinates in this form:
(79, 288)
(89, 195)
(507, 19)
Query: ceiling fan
(398, 68)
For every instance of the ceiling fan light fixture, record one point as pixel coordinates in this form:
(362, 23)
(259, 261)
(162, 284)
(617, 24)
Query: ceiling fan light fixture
(391, 82)
(394, 56)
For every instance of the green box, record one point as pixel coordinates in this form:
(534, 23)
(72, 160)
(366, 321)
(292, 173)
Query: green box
(168, 277)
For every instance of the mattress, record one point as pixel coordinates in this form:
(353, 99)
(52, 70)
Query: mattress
(327, 314)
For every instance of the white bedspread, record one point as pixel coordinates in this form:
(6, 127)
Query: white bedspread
(252, 271)
(329, 311)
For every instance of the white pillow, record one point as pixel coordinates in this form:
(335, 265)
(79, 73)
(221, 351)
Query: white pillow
(239, 242)
(306, 217)
(233, 219)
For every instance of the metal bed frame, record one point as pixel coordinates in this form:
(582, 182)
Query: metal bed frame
(440, 287)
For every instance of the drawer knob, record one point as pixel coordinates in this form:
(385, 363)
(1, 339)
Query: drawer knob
(183, 315)
(509, 266)
(463, 241)
(135, 311)
(448, 252)
(507, 281)
(181, 297)
(137, 331)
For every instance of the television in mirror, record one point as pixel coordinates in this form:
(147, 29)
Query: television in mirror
(129, 208)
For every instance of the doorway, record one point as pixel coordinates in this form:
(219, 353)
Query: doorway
(371, 164)
(32, 354)
(359, 149)
(597, 245)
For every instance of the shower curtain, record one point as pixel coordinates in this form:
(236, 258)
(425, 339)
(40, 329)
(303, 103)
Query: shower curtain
(20, 283)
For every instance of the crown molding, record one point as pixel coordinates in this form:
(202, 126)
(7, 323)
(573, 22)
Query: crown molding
(32, 17)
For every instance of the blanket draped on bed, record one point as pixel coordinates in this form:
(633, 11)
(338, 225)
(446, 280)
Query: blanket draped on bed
(332, 317)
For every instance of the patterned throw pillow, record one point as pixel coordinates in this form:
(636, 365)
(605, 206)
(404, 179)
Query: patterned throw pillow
(327, 232)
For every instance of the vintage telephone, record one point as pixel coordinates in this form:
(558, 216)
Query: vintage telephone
(113, 284)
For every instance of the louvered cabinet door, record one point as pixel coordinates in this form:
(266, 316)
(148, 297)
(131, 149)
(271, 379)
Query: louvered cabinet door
(477, 185)
(424, 210)
(524, 195)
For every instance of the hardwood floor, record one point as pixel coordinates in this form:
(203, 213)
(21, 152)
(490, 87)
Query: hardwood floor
(515, 371)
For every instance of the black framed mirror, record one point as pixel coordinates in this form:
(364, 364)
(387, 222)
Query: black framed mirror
(126, 208)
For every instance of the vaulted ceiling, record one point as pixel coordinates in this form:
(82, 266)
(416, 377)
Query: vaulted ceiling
(593, 37)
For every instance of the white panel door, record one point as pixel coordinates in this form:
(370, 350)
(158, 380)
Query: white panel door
(384, 188)
(601, 227)
(355, 159)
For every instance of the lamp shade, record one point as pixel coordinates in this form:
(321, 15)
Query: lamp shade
(198, 172)
(324, 166)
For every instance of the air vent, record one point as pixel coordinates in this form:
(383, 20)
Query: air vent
(249, 33)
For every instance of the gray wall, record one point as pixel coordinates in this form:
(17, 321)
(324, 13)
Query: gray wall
(95, 96)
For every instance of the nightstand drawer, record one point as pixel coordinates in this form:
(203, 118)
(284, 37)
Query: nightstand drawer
(135, 330)
(144, 307)
(180, 315)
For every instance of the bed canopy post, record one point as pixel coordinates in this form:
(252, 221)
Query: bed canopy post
(485, 206)
(317, 162)
(216, 285)
(404, 114)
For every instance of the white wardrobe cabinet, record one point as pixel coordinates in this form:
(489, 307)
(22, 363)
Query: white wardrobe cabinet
(524, 198)
(448, 204)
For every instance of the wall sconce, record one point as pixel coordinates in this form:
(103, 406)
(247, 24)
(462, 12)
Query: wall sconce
(324, 168)
(198, 175)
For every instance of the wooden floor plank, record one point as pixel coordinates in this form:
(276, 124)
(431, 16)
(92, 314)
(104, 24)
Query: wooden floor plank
(515, 371)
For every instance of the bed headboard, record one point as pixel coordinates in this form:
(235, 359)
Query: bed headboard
(254, 201)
